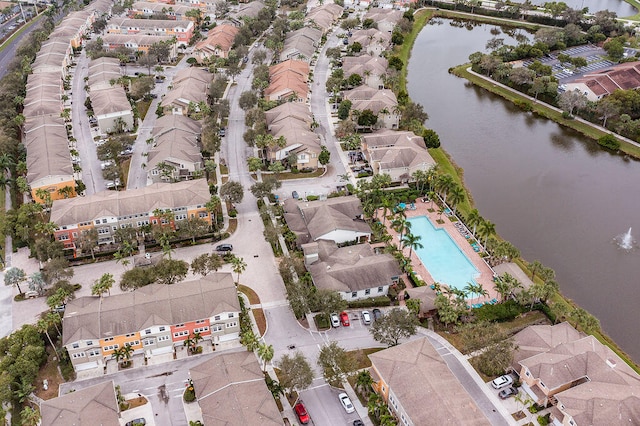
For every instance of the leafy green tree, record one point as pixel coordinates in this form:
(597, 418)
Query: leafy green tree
(497, 357)
(447, 312)
(295, 372)
(327, 301)
(170, 271)
(395, 325)
(232, 191)
(136, 278)
(205, 263)
(250, 340)
(324, 156)
(336, 364)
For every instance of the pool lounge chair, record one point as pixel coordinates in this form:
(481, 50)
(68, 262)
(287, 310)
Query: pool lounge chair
(493, 301)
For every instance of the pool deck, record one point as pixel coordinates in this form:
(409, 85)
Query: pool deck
(486, 274)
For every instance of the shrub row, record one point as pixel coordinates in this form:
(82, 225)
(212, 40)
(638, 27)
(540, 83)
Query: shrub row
(500, 312)
(370, 302)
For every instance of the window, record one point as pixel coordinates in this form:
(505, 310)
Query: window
(63, 237)
(380, 289)
(200, 330)
(202, 215)
(162, 328)
(75, 346)
(367, 291)
(217, 318)
(147, 331)
(78, 355)
(199, 321)
(163, 338)
(89, 342)
(177, 326)
(542, 384)
(179, 334)
(94, 352)
(354, 294)
(104, 220)
(148, 342)
(216, 328)
(130, 335)
(231, 315)
(232, 324)
(134, 342)
(108, 339)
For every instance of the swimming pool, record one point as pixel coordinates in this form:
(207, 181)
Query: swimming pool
(442, 257)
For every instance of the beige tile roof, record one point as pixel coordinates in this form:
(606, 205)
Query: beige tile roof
(193, 91)
(93, 405)
(176, 146)
(103, 70)
(43, 99)
(249, 10)
(231, 390)
(288, 110)
(425, 387)
(92, 317)
(364, 97)
(383, 15)
(296, 47)
(351, 268)
(47, 148)
(387, 137)
(324, 16)
(403, 155)
(597, 403)
(537, 339)
(370, 36)
(54, 45)
(169, 122)
(360, 65)
(310, 220)
(134, 201)
(426, 295)
(191, 74)
(110, 100)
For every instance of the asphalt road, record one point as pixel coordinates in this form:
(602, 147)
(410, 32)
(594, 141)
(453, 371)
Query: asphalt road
(85, 145)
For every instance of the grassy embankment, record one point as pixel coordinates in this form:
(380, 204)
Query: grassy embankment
(448, 166)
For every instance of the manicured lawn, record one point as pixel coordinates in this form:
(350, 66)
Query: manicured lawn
(289, 176)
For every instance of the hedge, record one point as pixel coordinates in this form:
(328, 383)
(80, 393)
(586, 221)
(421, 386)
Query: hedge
(370, 302)
(499, 312)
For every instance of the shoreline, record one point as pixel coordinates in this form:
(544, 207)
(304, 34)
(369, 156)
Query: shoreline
(443, 159)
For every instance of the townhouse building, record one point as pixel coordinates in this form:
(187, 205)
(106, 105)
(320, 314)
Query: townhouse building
(153, 320)
(181, 29)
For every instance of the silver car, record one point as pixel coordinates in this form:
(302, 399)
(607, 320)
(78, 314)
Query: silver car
(366, 317)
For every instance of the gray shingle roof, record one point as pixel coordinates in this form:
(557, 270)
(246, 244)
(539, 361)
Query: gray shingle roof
(94, 405)
(156, 304)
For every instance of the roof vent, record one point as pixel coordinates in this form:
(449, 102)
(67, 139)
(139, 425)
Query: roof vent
(611, 363)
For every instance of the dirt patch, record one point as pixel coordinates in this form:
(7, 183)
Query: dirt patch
(261, 321)
(518, 415)
(251, 295)
(48, 372)
(136, 402)
(233, 225)
(361, 356)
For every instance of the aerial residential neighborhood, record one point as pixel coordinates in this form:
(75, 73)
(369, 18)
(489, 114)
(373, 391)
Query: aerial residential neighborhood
(223, 213)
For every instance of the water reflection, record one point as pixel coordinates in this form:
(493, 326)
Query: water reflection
(556, 202)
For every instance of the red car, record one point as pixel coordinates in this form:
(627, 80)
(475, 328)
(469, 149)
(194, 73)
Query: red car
(344, 319)
(301, 411)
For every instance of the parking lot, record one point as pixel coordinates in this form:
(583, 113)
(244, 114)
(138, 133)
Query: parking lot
(595, 56)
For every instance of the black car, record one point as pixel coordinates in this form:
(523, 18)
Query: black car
(224, 247)
(508, 392)
(358, 423)
(377, 314)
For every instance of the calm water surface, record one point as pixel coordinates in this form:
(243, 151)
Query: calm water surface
(555, 195)
(621, 8)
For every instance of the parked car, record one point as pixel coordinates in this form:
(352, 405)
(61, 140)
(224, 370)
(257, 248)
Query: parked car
(295, 195)
(508, 392)
(31, 294)
(377, 314)
(224, 247)
(222, 132)
(346, 403)
(366, 317)
(60, 308)
(358, 423)
(335, 321)
(137, 422)
(344, 319)
(502, 381)
(301, 412)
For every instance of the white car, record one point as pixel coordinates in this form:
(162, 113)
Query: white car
(366, 317)
(346, 403)
(335, 321)
(501, 382)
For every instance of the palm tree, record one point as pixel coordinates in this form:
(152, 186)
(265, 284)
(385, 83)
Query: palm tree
(250, 340)
(265, 352)
(364, 382)
(443, 184)
(238, 265)
(412, 241)
(534, 267)
(471, 289)
(43, 327)
(486, 229)
(457, 196)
